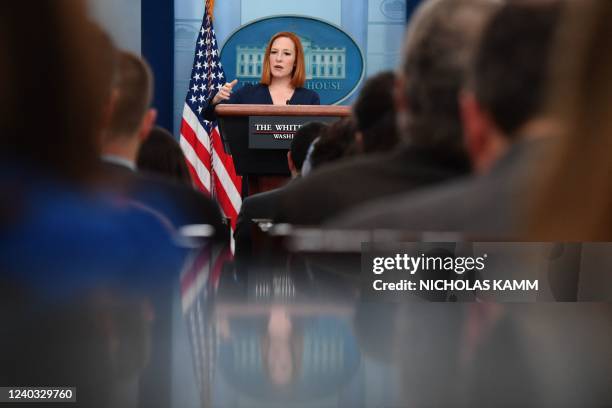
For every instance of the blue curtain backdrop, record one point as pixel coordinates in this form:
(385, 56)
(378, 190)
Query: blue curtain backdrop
(169, 29)
(158, 48)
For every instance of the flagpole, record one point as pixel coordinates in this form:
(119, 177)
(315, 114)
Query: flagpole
(210, 4)
(208, 10)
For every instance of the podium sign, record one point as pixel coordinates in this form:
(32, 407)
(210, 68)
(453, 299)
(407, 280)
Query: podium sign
(277, 132)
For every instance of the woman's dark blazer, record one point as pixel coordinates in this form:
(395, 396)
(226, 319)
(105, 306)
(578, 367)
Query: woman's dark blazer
(259, 94)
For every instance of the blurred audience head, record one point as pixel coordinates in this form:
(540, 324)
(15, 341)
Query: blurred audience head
(440, 42)
(131, 113)
(507, 81)
(108, 61)
(161, 154)
(336, 142)
(575, 203)
(53, 70)
(375, 114)
(53, 91)
(300, 144)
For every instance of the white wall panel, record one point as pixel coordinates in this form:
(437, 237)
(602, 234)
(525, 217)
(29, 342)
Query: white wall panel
(121, 18)
(329, 10)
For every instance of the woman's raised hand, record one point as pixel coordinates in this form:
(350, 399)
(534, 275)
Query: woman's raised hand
(224, 92)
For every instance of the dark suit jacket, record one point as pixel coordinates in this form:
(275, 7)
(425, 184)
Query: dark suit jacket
(489, 204)
(179, 203)
(259, 94)
(332, 189)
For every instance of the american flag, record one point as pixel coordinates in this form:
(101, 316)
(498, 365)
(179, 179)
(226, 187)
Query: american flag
(211, 167)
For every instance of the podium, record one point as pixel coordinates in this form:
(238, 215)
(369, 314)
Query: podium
(258, 138)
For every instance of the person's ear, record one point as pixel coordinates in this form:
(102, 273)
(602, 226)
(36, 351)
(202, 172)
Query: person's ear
(401, 104)
(359, 140)
(291, 164)
(147, 123)
(400, 99)
(477, 128)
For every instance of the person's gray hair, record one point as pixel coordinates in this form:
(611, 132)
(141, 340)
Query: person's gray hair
(440, 43)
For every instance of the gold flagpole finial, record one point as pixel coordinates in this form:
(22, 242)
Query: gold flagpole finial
(210, 5)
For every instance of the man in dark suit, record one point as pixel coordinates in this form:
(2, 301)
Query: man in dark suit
(263, 205)
(427, 112)
(130, 122)
(503, 127)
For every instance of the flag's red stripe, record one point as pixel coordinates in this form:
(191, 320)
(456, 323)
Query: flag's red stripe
(201, 151)
(224, 201)
(196, 179)
(228, 161)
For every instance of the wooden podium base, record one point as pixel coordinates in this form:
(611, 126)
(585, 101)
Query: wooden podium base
(259, 184)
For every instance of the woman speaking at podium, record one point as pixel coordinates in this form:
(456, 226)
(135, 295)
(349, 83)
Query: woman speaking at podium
(282, 78)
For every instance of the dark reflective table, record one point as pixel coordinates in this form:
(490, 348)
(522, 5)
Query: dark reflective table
(295, 330)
